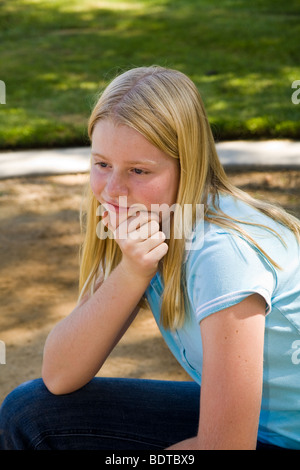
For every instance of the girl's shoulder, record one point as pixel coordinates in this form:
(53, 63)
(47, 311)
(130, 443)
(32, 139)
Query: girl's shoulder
(240, 214)
(236, 230)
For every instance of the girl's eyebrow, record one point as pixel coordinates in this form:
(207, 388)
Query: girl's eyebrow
(133, 162)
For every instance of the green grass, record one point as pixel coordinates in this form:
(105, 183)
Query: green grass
(55, 55)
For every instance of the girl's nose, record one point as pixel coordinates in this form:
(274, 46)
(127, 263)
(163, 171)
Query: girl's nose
(116, 186)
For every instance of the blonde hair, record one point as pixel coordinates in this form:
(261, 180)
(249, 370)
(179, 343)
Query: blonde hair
(165, 106)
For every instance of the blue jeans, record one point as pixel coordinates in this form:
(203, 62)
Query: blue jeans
(106, 414)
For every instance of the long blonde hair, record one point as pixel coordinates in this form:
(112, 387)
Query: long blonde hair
(164, 105)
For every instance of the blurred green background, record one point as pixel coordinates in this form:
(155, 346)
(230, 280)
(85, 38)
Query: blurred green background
(55, 55)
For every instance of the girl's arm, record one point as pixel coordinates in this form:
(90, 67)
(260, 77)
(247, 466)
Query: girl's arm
(231, 387)
(78, 346)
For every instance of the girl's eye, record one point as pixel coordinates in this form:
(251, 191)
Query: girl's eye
(138, 171)
(102, 164)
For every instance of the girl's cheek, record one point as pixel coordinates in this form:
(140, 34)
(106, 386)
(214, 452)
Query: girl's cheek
(156, 194)
(96, 183)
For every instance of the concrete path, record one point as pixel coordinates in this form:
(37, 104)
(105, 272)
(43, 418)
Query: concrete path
(238, 154)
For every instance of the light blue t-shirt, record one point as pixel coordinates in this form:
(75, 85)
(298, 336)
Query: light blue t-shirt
(222, 269)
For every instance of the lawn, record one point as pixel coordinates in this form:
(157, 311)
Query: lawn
(55, 55)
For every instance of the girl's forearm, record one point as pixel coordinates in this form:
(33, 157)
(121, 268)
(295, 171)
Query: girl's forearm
(78, 346)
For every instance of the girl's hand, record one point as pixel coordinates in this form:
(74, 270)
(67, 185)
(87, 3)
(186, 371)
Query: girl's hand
(140, 240)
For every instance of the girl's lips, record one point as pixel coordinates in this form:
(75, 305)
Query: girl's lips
(114, 207)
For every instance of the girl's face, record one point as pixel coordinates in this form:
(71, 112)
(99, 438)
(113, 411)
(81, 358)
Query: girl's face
(124, 163)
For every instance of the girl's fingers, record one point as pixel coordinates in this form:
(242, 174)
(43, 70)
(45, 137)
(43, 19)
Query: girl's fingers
(146, 231)
(153, 242)
(158, 252)
(138, 227)
(113, 220)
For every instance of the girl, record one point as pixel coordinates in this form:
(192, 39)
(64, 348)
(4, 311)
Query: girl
(227, 302)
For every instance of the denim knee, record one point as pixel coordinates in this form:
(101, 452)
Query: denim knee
(16, 414)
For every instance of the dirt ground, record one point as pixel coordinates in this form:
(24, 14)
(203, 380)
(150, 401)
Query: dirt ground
(39, 240)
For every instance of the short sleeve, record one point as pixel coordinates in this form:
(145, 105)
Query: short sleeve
(226, 270)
